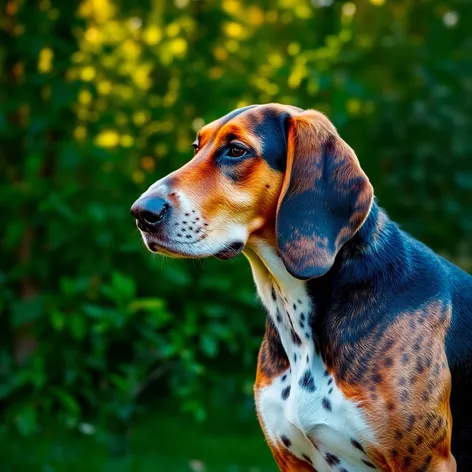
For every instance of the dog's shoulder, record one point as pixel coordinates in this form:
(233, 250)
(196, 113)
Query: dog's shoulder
(436, 278)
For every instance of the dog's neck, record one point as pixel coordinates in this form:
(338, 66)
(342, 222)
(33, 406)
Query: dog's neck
(286, 299)
(292, 303)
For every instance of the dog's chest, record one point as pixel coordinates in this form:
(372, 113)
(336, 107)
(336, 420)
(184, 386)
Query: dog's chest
(302, 410)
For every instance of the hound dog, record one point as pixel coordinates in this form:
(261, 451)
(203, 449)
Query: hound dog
(368, 330)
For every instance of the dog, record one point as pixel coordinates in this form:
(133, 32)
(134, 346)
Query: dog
(368, 331)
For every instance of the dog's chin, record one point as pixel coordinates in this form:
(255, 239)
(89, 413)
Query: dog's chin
(164, 248)
(168, 249)
(157, 249)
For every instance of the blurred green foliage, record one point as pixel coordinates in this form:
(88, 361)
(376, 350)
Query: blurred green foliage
(162, 441)
(99, 98)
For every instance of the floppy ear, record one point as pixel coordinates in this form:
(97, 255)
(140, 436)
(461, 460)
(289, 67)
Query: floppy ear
(325, 196)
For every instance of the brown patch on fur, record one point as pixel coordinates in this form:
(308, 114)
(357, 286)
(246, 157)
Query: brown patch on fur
(287, 462)
(398, 379)
(301, 250)
(272, 360)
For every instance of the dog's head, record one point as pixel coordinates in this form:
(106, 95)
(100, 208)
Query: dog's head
(263, 171)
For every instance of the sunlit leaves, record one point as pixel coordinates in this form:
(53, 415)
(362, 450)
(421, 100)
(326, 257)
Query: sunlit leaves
(80, 133)
(152, 35)
(88, 73)
(107, 139)
(348, 9)
(85, 97)
(235, 30)
(178, 47)
(46, 56)
(353, 106)
(97, 10)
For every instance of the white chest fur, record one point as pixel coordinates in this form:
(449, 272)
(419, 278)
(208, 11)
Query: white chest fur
(303, 409)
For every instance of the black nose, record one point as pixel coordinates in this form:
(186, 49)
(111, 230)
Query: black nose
(149, 212)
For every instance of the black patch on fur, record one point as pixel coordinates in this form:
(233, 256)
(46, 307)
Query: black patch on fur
(419, 366)
(368, 464)
(425, 465)
(357, 445)
(410, 422)
(331, 459)
(307, 459)
(376, 378)
(286, 393)
(279, 317)
(295, 338)
(307, 381)
(285, 440)
(326, 404)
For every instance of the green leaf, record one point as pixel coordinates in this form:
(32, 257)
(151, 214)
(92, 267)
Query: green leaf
(26, 311)
(147, 304)
(122, 289)
(209, 345)
(67, 401)
(464, 181)
(57, 320)
(26, 421)
(77, 326)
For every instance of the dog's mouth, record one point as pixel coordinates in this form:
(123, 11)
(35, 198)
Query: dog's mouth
(230, 251)
(170, 248)
(190, 249)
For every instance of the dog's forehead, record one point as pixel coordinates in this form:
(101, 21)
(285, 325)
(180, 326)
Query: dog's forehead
(258, 119)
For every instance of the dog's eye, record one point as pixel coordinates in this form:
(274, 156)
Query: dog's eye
(195, 147)
(236, 151)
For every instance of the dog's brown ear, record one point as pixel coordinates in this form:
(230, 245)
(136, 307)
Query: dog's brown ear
(325, 196)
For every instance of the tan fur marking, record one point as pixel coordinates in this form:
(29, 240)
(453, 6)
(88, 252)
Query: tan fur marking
(288, 462)
(408, 410)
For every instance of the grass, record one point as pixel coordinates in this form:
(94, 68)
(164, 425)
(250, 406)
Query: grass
(162, 441)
